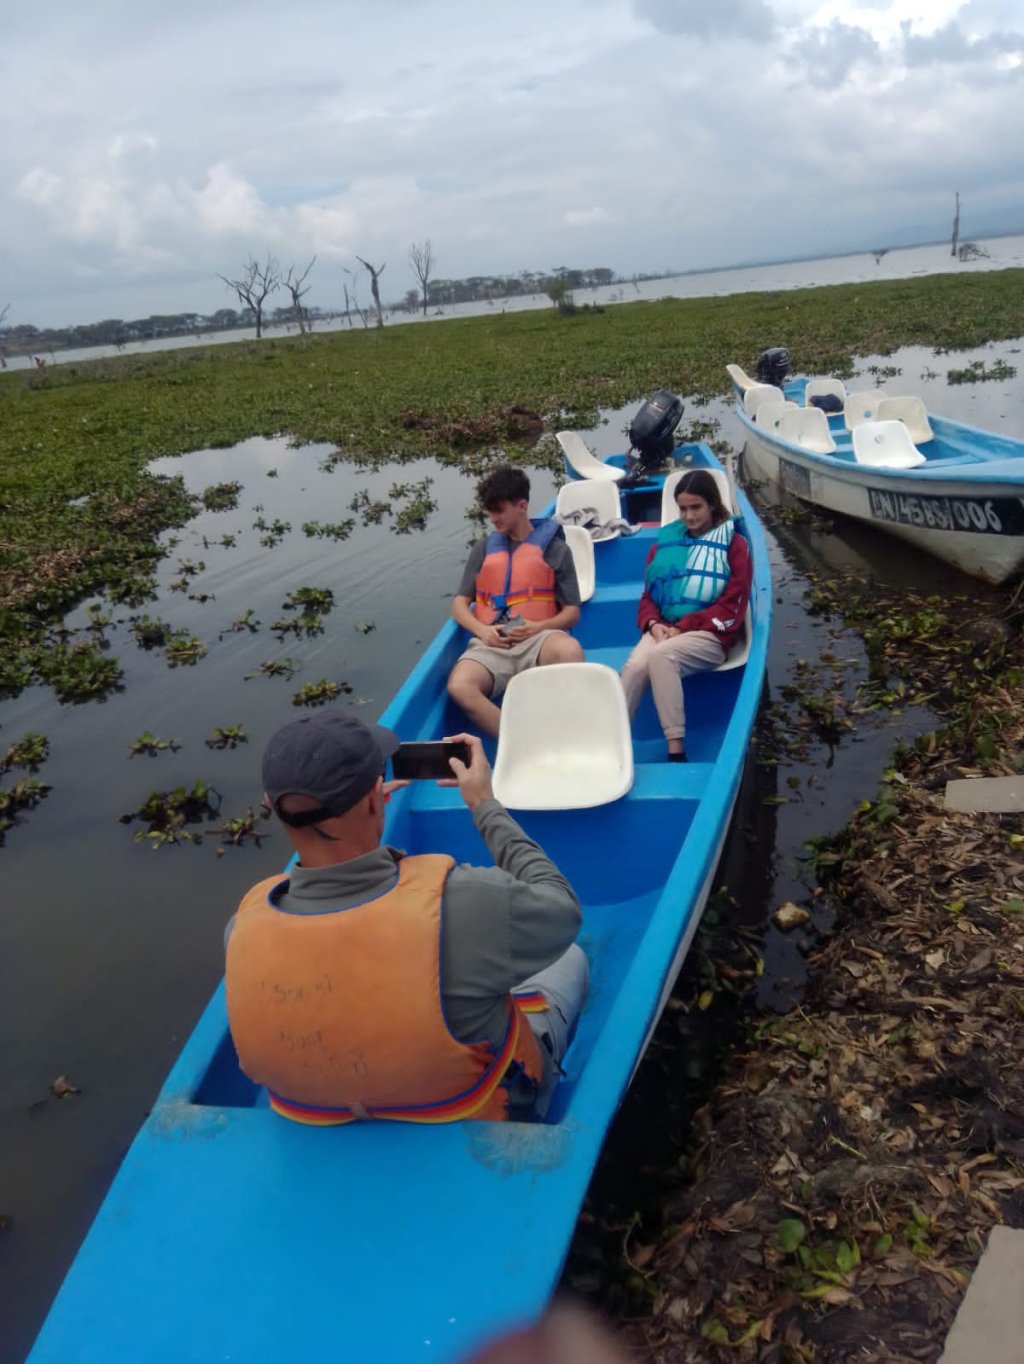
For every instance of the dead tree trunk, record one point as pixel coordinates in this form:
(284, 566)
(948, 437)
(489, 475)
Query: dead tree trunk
(956, 225)
(375, 273)
(294, 284)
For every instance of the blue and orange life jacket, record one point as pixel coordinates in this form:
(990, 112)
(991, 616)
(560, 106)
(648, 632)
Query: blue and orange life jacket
(340, 1016)
(515, 579)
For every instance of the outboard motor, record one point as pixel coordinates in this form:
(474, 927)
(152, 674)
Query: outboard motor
(773, 366)
(650, 433)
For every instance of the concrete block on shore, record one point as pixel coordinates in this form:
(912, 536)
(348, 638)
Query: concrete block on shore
(975, 795)
(989, 1327)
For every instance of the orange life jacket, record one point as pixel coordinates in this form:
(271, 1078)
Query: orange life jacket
(340, 1016)
(514, 578)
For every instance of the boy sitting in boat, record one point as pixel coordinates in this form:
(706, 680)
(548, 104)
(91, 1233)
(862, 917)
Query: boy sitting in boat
(368, 984)
(517, 598)
(696, 588)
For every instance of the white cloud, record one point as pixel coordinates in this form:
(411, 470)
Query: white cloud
(151, 149)
(586, 217)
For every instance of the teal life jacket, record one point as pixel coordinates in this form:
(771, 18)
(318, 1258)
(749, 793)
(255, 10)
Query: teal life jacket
(688, 572)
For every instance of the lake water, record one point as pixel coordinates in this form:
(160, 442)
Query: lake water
(109, 950)
(1003, 252)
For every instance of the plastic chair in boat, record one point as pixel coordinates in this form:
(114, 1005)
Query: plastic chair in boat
(862, 406)
(825, 388)
(740, 651)
(582, 547)
(807, 427)
(740, 377)
(669, 510)
(757, 394)
(590, 494)
(565, 741)
(770, 414)
(885, 445)
(912, 413)
(583, 460)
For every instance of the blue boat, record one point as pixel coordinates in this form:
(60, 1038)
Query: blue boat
(950, 489)
(232, 1234)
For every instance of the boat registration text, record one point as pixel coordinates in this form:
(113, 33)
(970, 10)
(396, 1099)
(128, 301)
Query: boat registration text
(978, 515)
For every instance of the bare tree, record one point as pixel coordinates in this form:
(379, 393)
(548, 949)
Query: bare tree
(421, 258)
(3, 312)
(256, 283)
(375, 273)
(294, 284)
(956, 226)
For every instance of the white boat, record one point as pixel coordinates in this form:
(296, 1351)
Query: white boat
(946, 488)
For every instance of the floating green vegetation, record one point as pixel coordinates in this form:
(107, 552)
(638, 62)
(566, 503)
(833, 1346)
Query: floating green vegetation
(307, 625)
(24, 795)
(276, 667)
(167, 812)
(325, 530)
(82, 672)
(418, 505)
(227, 736)
(365, 626)
(228, 541)
(80, 515)
(977, 371)
(150, 745)
(241, 829)
(319, 599)
(150, 633)
(373, 512)
(221, 496)
(183, 649)
(319, 693)
(98, 619)
(274, 531)
(246, 621)
(31, 751)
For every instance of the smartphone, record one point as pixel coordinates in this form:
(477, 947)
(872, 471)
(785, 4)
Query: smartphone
(426, 761)
(508, 625)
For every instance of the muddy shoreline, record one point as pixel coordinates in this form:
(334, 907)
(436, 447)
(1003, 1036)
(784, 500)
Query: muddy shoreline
(835, 1189)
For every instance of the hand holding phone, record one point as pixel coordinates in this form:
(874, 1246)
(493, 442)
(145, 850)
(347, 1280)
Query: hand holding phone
(507, 626)
(428, 761)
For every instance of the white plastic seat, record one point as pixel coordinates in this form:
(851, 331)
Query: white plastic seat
(583, 460)
(590, 494)
(822, 388)
(862, 406)
(582, 546)
(564, 741)
(757, 394)
(740, 378)
(808, 428)
(886, 445)
(770, 414)
(740, 651)
(669, 510)
(912, 413)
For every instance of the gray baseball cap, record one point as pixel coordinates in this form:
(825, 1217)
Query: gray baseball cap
(331, 757)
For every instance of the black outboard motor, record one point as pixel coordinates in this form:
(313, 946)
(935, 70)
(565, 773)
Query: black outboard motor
(773, 366)
(650, 433)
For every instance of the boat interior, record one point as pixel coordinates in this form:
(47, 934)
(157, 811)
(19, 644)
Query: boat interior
(871, 426)
(640, 863)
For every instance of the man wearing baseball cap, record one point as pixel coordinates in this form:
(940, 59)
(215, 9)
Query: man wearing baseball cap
(366, 983)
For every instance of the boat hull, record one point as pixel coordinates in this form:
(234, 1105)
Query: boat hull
(966, 509)
(230, 1233)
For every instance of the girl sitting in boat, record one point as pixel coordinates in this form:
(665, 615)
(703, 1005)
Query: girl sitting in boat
(696, 587)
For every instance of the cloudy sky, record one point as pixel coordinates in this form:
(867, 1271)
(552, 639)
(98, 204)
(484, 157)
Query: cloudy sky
(149, 147)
